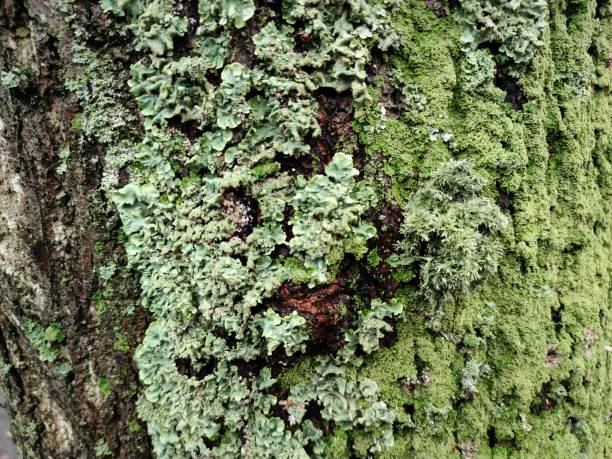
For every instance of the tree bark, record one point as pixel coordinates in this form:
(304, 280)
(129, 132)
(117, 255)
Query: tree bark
(519, 367)
(56, 230)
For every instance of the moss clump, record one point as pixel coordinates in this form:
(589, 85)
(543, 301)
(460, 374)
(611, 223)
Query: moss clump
(447, 231)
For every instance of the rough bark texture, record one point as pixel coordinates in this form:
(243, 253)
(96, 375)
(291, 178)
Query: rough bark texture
(520, 367)
(55, 231)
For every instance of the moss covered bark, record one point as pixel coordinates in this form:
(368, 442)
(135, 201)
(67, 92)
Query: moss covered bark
(521, 367)
(274, 165)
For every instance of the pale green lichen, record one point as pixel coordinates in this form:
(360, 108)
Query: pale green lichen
(99, 88)
(16, 78)
(337, 39)
(102, 449)
(282, 330)
(205, 243)
(63, 155)
(225, 13)
(373, 323)
(157, 26)
(5, 367)
(121, 7)
(167, 88)
(327, 221)
(346, 401)
(516, 26)
(478, 71)
(229, 97)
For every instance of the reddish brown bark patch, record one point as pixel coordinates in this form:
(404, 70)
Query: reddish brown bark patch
(322, 306)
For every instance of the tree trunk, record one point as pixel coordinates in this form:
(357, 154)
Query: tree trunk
(428, 209)
(69, 384)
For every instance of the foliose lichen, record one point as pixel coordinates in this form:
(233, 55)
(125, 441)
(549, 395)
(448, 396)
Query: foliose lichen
(327, 221)
(515, 26)
(206, 220)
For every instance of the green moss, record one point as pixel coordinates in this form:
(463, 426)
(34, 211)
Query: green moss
(373, 258)
(104, 387)
(423, 69)
(538, 324)
(337, 445)
(46, 340)
(135, 426)
(304, 369)
(121, 343)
